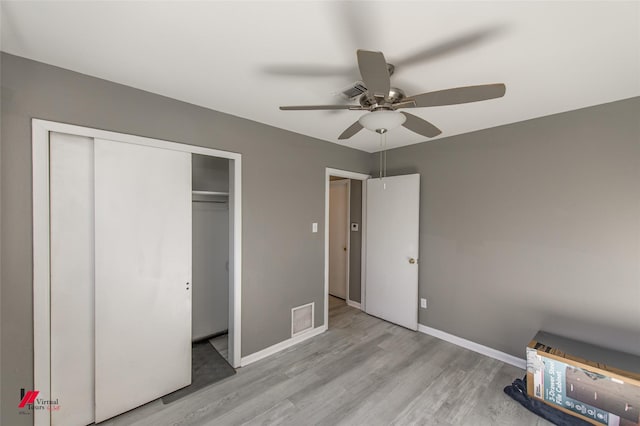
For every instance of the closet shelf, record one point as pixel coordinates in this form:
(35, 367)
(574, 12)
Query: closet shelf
(210, 193)
(216, 197)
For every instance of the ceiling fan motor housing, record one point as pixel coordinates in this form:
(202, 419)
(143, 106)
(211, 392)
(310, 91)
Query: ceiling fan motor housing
(372, 103)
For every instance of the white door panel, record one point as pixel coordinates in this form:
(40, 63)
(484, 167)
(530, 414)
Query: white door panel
(72, 275)
(392, 241)
(142, 274)
(338, 237)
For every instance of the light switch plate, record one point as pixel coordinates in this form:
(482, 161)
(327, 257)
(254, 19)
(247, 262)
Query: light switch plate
(314, 227)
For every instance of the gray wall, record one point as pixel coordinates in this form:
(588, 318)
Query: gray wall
(283, 193)
(209, 173)
(534, 225)
(355, 241)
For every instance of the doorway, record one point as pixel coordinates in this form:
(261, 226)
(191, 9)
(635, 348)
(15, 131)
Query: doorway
(339, 247)
(389, 236)
(127, 169)
(344, 239)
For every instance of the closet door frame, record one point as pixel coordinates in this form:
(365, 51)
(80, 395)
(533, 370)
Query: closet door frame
(41, 243)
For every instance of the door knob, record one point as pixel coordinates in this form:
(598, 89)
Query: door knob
(344, 248)
(412, 260)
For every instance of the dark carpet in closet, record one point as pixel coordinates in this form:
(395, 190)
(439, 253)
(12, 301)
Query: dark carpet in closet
(207, 367)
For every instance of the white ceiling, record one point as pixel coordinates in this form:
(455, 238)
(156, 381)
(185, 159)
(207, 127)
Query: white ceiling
(238, 57)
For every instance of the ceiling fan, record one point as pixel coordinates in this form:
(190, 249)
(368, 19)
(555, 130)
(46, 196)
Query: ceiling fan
(382, 100)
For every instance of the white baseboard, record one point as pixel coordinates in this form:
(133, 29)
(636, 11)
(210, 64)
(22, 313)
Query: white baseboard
(476, 347)
(256, 356)
(354, 304)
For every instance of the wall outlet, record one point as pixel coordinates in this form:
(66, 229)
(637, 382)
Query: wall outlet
(423, 303)
(314, 227)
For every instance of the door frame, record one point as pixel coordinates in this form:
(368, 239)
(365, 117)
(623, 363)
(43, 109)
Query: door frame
(41, 244)
(347, 175)
(347, 183)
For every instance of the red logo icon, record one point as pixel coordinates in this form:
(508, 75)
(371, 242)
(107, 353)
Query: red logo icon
(29, 398)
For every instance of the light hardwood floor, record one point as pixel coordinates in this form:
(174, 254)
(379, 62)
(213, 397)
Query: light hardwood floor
(362, 371)
(221, 344)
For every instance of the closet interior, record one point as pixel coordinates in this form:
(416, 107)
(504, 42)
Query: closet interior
(210, 210)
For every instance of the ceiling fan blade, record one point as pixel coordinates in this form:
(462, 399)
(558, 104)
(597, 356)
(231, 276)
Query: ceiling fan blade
(318, 107)
(353, 23)
(420, 126)
(449, 46)
(351, 130)
(459, 95)
(374, 72)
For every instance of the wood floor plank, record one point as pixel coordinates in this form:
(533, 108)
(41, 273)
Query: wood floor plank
(362, 371)
(274, 415)
(221, 344)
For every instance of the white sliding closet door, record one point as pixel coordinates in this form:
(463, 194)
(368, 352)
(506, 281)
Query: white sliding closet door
(72, 356)
(143, 275)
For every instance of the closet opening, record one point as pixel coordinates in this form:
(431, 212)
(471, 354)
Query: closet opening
(210, 258)
(209, 274)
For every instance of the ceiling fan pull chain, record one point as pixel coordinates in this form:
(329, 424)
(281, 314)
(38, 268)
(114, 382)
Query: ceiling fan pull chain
(385, 154)
(380, 157)
(383, 157)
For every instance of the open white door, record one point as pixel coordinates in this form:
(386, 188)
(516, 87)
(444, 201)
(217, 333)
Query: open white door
(393, 205)
(142, 275)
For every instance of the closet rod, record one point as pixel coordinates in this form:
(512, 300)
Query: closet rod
(210, 193)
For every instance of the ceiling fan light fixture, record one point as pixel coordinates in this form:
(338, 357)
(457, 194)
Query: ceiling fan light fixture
(382, 121)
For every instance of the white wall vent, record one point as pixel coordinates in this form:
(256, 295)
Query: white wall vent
(302, 319)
